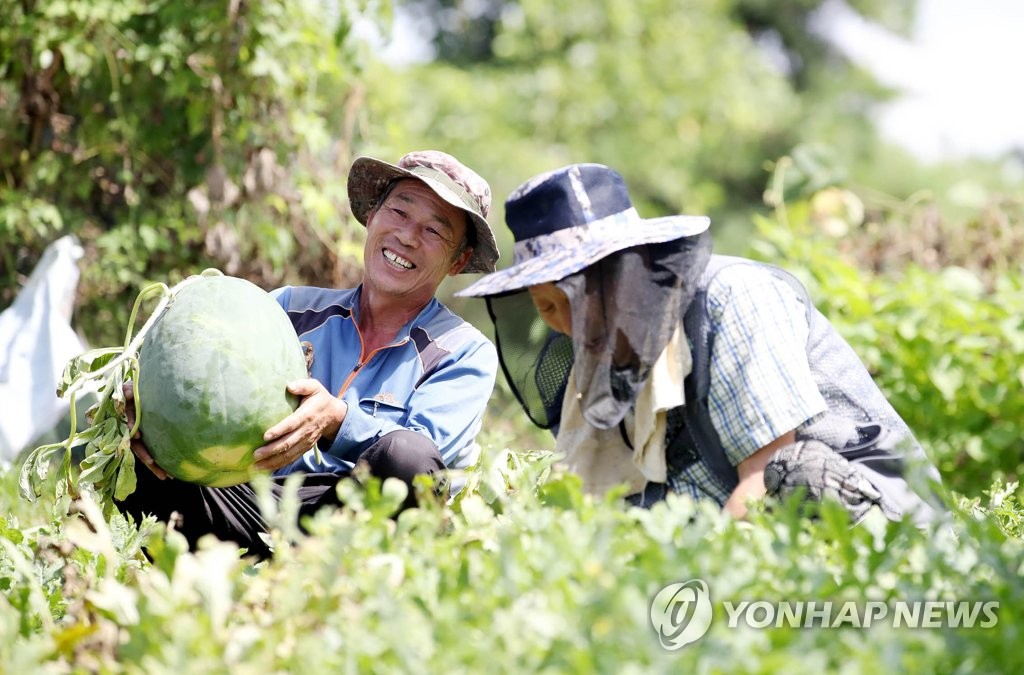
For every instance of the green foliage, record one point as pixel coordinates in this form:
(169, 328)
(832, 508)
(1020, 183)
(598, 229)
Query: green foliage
(520, 573)
(686, 100)
(935, 309)
(606, 83)
(174, 135)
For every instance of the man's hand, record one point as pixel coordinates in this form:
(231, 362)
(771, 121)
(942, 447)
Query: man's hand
(823, 473)
(319, 415)
(138, 447)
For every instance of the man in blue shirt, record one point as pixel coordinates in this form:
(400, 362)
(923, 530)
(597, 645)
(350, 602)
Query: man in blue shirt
(396, 379)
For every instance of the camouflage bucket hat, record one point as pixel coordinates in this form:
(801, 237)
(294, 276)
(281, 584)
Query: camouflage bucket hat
(451, 180)
(568, 219)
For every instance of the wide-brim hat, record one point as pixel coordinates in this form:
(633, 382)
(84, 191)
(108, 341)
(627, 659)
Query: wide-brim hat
(567, 219)
(449, 179)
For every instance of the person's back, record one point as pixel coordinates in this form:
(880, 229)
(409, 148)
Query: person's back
(859, 422)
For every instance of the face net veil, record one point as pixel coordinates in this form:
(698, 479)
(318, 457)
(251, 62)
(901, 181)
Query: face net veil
(625, 309)
(535, 359)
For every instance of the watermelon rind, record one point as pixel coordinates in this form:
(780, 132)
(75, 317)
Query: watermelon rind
(213, 372)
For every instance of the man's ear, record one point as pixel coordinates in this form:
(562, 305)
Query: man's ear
(459, 263)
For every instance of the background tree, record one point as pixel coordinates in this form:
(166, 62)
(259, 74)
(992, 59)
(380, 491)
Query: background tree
(686, 99)
(172, 135)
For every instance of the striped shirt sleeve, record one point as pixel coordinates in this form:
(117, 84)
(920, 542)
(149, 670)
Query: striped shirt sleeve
(761, 383)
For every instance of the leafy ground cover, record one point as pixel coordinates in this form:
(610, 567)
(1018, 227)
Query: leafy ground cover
(520, 573)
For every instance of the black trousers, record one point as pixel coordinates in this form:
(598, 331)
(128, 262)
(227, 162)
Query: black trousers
(233, 514)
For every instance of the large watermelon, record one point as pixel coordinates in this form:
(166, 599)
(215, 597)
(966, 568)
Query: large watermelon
(212, 376)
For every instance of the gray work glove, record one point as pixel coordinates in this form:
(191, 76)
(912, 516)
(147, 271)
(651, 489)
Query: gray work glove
(823, 474)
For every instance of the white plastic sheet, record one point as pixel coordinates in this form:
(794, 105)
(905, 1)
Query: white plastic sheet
(36, 341)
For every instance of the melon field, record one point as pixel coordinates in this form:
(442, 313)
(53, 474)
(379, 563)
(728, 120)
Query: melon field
(521, 573)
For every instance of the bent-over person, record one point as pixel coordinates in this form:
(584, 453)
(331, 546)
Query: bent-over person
(671, 369)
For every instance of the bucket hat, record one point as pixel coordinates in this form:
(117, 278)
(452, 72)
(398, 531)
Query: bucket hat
(565, 220)
(450, 180)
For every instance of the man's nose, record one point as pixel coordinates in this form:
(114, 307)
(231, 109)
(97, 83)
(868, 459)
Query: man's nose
(408, 234)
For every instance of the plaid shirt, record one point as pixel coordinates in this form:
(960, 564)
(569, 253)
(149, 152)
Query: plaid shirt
(761, 385)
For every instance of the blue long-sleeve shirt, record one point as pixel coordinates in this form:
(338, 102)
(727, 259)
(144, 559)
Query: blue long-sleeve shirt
(434, 378)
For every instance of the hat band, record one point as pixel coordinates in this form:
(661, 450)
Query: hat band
(609, 227)
(445, 180)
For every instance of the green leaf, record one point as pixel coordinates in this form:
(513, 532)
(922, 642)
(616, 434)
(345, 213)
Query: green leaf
(126, 479)
(564, 492)
(83, 364)
(35, 470)
(94, 466)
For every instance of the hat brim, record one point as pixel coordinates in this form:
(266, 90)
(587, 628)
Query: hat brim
(567, 258)
(369, 177)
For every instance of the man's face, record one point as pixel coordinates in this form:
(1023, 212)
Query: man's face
(411, 243)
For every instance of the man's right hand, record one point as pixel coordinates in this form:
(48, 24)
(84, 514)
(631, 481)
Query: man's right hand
(138, 447)
(320, 415)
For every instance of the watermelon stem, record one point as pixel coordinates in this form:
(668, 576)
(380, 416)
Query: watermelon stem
(113, 374)
(148, 290)
(131, 345)
(134, 361)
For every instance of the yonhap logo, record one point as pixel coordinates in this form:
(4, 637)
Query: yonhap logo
(681, 613)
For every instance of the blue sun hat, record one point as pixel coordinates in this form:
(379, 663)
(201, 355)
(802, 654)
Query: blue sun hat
(567, 219)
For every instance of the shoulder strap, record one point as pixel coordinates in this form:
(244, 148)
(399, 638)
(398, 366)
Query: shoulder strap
(698, 433)
(697, 427)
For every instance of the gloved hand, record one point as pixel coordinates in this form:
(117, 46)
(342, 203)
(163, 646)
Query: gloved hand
(824, 474)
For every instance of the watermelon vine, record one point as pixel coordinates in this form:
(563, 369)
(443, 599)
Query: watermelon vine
(108, 468)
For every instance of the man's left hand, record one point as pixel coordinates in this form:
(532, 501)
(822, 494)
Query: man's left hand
(319, 415)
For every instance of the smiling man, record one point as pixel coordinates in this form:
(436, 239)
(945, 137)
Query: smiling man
(397, 380)
(387, 356)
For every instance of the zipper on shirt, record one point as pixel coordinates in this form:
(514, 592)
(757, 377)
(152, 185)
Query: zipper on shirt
(362, 361)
